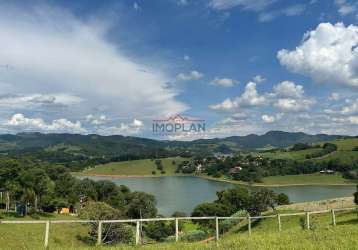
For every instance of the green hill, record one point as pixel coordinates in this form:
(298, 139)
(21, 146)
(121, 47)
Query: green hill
(136, 167)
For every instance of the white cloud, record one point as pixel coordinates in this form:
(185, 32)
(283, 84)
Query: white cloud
(182, 2)
(133, 128)
(259, 79)
(96, 120)
(345, 7)
(328, 54)
(136, 6)
(32, 100)
(73, 55)
(294, 10)
(286, 96)
(186, 58)
(334, 97)
(293, 105)
(224, 82)
(268, 118)
(289, 89)
(249, 98)
(350, 109)
(227, 104)
(22, 123)
(256, 5)
(289, 97)
(191, 76)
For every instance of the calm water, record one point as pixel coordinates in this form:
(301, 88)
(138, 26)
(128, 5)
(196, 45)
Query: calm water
(184, 193)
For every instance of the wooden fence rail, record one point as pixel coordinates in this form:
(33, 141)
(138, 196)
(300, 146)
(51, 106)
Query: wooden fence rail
(138, 222)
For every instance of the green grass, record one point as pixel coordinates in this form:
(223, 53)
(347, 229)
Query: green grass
(136, 168)
(291, 155)
(305, 179)
(346, 144)
(265, 235)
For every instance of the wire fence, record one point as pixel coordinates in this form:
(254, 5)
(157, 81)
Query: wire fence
(138, 222)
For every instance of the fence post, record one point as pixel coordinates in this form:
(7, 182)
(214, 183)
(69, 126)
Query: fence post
(47, 233)
(249, 223)
(99, 233)
(176, 229)
(217, 228)
(279, 222)
(333, 217)
(308, 219)
(137, 235)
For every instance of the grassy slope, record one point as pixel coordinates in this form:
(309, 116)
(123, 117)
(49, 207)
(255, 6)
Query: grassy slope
(343, 153)
(293, 155)
(265, 235)
(137, 167)
(306, 179)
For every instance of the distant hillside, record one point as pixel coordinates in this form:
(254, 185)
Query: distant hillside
(79, 151)
(116, 144)
(277, 139)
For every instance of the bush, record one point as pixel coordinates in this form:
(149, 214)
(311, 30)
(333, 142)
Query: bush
(111, 233)
(158, 230)
(282, 199)
(217, 175)
(195, 235)
(356, 196)
(154, 172)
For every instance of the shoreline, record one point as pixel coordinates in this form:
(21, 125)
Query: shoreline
(214, 179)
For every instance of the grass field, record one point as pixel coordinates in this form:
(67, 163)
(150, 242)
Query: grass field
(305, 179)
(136, 168)
(265, 235)
(292, 155)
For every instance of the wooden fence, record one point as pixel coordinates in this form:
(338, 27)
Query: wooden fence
(249, 219)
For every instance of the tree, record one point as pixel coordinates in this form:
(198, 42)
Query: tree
(261, 200)
(158, 230)
(210, 209)
(141, 205)
(356, 196)
(110, 193)
(86, 187)
(36, 184)
(236, 199)
(111, 233)
(282, 199)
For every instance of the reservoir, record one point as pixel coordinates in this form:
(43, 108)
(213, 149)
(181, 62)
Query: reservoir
(183, 193)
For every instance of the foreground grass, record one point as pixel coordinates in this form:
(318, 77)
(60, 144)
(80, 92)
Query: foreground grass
(265, 235)
(136, 167)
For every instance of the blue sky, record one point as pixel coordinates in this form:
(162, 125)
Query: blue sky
(111, 67)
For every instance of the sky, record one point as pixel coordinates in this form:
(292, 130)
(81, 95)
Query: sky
(243, 66)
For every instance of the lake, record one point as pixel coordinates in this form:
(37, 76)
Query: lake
(183, 193)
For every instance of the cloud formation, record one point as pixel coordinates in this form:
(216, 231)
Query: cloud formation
(65, 54)
(328, 54)
(22, 123)
(286, 97)
(191, 76)
(223, 82)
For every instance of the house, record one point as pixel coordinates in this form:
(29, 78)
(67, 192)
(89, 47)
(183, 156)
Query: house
(327, 171)
(199, 167)
(235, 170)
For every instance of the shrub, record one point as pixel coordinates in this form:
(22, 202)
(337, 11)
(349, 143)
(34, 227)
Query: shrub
(195, 235)
(282, 199)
